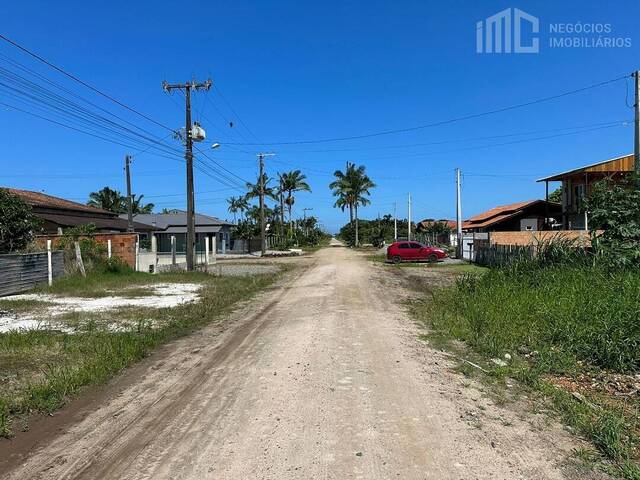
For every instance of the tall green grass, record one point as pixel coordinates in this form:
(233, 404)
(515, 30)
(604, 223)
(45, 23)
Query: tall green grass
(562, 313)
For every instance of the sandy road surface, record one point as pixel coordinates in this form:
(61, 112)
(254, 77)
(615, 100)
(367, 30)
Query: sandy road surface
(326, 381)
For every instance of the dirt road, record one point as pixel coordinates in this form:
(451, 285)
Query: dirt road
(322, 378)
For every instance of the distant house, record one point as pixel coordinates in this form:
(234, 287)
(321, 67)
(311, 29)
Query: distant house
(522, 216)
(58, 214)
(438, 237)
(163, 226)
(578, 183)
(427, 223)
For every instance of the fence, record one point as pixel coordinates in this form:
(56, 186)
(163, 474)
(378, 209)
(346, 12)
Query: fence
(499, 255)
(23, 271)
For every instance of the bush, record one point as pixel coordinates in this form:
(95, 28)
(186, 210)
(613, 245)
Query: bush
(19, 225)
(114, 265)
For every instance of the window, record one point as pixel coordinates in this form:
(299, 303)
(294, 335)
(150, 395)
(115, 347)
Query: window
(404, 245)
(579, 194)
(415, 245)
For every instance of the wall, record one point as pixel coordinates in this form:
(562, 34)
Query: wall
(533, 238)
(123, 245)
(20, 272)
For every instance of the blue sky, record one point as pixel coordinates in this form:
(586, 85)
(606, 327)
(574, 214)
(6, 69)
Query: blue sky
(313, 70)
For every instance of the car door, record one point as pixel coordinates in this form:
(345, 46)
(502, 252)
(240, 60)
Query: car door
(417, 251)
(404, 250)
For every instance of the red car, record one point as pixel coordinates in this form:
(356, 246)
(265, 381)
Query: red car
(413, 252)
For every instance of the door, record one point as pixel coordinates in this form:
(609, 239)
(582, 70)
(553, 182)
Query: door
(418, 252)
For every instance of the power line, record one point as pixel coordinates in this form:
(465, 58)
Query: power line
(81, 82)
(448, 121)
(462, 140)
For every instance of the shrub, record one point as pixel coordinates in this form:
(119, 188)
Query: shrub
(19, 225)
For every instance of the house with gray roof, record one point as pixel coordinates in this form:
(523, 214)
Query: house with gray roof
(163, 226)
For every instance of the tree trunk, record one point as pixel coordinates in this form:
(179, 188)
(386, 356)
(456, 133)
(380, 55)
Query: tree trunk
(350, 213)
(281, 211)
(290, 221)
(356, 215)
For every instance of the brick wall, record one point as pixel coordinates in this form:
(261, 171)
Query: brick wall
(123, 245)
(532, 238)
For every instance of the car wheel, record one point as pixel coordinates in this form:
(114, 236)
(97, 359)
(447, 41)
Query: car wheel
(396, 259)
(433, 258)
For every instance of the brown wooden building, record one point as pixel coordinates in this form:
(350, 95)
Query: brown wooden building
(578, 183)
(528, 216)
(58, 214)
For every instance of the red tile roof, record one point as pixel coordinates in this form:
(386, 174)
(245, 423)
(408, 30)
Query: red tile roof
(450, 223)
(497, 214)
(37, 199)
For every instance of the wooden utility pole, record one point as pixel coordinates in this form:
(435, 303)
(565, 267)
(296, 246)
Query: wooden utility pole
(458, 214)
(636, 130)
(409, 219)
(395, 223)
(281, 192)
(263, 233)
(127, 163)
(190, 246)
(263, 237)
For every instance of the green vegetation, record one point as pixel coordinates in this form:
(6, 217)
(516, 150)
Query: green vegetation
(562, 316)
(303, 232)
(41, 370)
(114, 201)
(18, 226)
(614, 206)
(352, 189)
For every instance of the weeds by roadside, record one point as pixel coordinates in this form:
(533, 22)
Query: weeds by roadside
(575, 321)
(41, 370)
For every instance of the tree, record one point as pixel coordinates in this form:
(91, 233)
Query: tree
(19, 225)
(108, 199)
(114, 201)
(556, 195)
(137, 206)
(253, 189)
(292, 182)
(352, 188)
(234, 207)
(614, 206)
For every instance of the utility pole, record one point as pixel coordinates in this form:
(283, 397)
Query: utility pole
(304, 216)
(127, 162)
(409, 219)
(281, 194)
(395, 223)
(458, 214)
(263, 233)
(190, 246)
(636, 143)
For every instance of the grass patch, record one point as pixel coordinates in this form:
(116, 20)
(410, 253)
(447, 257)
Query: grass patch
(41, 370)
(126, 283)
(563, 322)
(23, 306)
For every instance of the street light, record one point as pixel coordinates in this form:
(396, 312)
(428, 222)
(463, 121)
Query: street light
(215, 145)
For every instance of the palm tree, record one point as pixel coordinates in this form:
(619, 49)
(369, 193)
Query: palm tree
(107, 199)
(352, 189)
(294, 181)
(234, 207)
(253, 189)
(138, 207)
